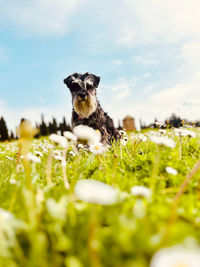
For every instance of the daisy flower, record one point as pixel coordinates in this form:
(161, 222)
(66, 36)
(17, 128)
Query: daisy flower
(171, 170)
(92, 191)
(33, 158)
(176, 256)
(184, 132)
(140, 191)
(97, 148)
(60, 140)
(166, 141)
(87, 134)
(70, 136)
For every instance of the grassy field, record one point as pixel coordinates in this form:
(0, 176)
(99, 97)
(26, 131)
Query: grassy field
(44, 221)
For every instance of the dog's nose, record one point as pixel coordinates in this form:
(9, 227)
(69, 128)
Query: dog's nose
(83, 95)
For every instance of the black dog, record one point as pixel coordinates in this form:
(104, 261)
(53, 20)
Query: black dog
(86, 108)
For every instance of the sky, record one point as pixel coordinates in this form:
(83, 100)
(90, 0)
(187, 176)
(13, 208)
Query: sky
(147, 53)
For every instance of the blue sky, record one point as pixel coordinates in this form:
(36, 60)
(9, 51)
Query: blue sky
(147, 53)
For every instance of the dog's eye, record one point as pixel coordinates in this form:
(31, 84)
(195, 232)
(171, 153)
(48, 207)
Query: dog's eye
(74, 86)
(88, 86)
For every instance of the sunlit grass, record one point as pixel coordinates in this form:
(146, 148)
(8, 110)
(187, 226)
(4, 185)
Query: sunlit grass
(44, 223)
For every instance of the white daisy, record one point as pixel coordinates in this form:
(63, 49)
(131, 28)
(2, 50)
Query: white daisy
(6, 214)
(97, 148)
(9, 158)
(166, 141)
(13, 181)
(33, 158)
(176, 256)
(140, 191)
(70, 136)
(72, 153)
(171, 170)
(123, 133)
(37, 152)
(60, 140)
(58, 157)
(88, 134)
(184, 132)
(92, 191)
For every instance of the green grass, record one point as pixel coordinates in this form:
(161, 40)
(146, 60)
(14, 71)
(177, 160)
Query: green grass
(49, 226)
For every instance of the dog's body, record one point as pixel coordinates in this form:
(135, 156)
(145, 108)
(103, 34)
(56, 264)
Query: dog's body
(86, 108)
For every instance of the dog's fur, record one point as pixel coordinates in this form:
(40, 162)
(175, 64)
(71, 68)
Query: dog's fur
(86, 107)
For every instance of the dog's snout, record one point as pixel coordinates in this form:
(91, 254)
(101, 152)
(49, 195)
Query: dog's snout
(83, 95)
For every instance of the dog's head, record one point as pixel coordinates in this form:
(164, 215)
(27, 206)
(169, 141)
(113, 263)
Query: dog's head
(83, 91)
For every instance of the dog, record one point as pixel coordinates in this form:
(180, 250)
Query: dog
(86, 107)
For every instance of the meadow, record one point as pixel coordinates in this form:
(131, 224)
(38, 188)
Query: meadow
(133, 204)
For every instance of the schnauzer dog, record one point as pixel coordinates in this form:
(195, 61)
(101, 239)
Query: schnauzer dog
(86, 107)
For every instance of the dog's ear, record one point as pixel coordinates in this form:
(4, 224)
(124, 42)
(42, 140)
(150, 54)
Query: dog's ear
(96, 80)
(69, 79)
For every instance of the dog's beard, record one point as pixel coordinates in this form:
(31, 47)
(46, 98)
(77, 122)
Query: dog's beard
(84, 108)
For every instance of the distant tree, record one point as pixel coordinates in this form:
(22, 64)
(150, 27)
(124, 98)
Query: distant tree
(43, 128)
(12, 137)
(55, 127)
(3, 130)
(64, 126)
(175, 121)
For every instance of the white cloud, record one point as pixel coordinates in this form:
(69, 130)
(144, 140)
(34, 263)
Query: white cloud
(155, 21)
(117, 62)
(148, 60)
(122, 94)
(182, 99)
(40, 17)
(191, 55)
(13, 117)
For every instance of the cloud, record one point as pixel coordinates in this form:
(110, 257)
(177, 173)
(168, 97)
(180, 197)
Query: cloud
(13, 117)
(40, 17)
(191, 55)
(122, 94)
(117, 62)
(148, 60)
(181, 99)
(155, 21)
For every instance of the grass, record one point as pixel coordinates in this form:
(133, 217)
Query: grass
(47, 225)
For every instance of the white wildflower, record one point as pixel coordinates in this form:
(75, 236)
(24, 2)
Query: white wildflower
(176, 256)
(33, 158)
(97, 148)
(37, 152)
(13, 181)
(140, 137)
(92, 191)
(162, 131)
(6, 214)
(88, 134)
(171, 170)
(166, 141)
(123, 142)
(60, 140)
(9, 158)
(123, 133)
(72, 153)
(140, 191)
(64, 163)
(70, 136)
(81, 146)
(184, 132)
(58, 157)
